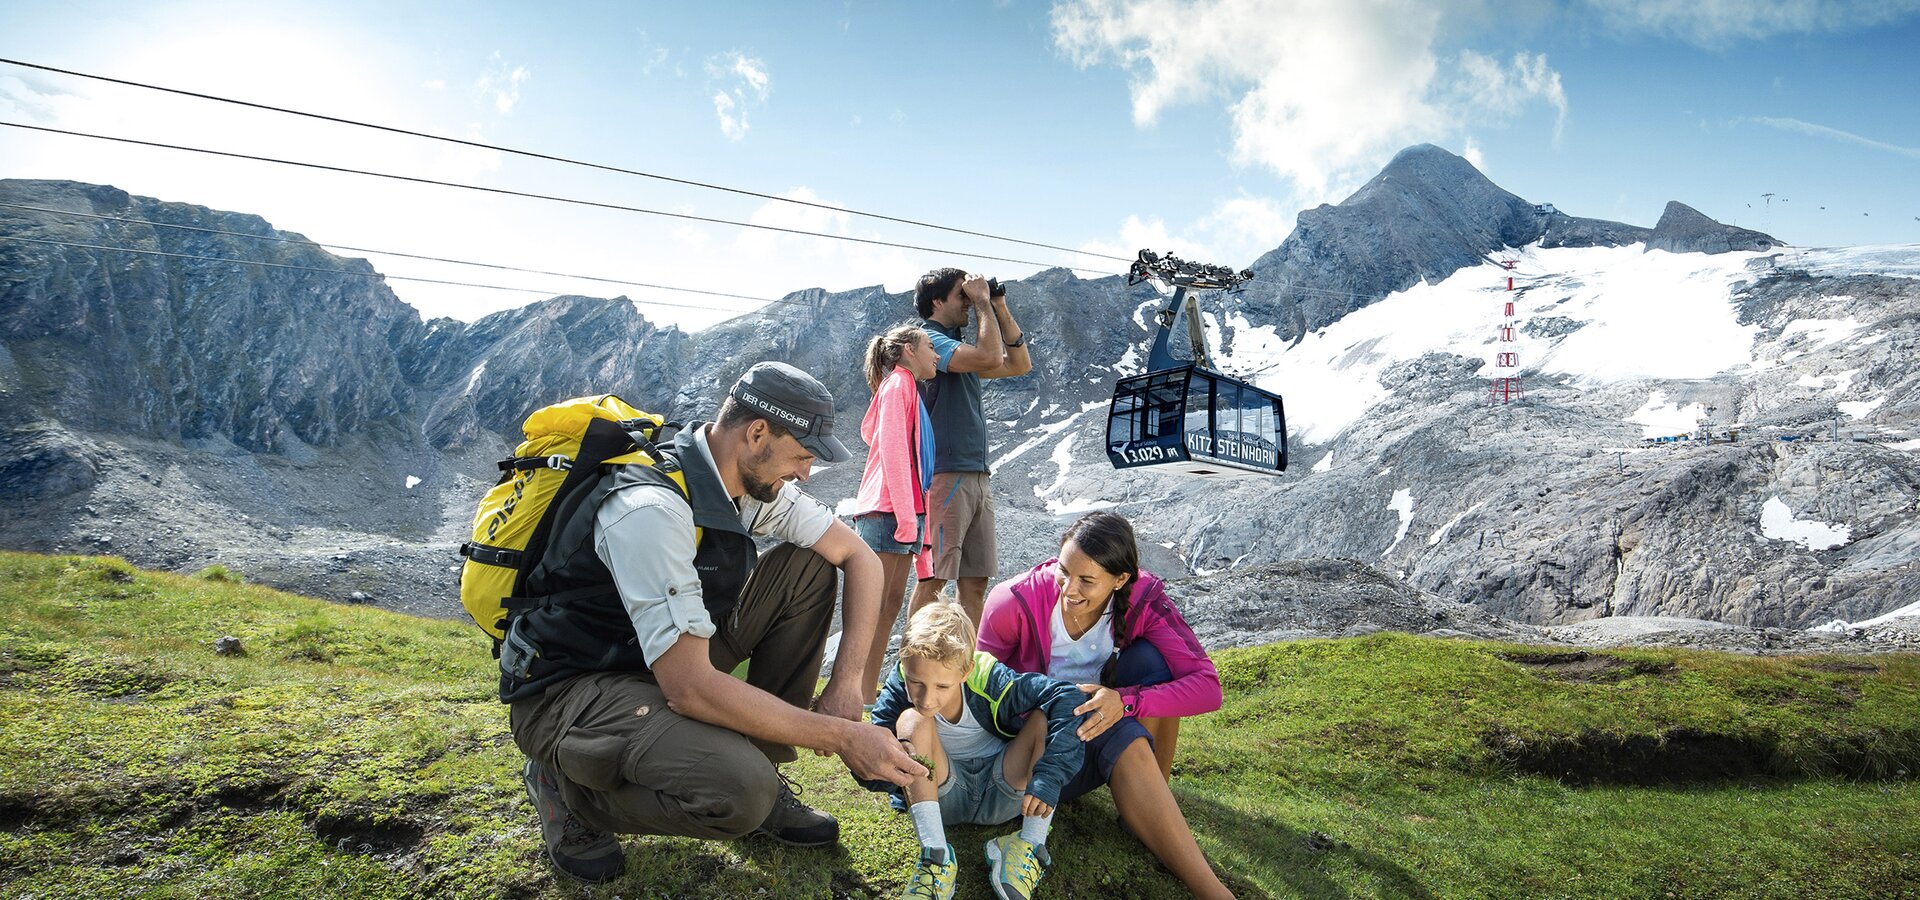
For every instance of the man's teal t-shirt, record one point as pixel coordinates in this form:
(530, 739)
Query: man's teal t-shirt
(953, 403)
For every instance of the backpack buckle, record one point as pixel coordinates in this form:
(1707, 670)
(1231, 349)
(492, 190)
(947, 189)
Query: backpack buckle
(559, 461)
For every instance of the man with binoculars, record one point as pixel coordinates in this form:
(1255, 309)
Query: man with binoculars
(960, 503)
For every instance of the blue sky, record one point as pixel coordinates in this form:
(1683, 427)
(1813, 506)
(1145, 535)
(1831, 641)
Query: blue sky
(1104, 125)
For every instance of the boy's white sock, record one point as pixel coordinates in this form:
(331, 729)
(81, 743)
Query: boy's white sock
(1033, 829)
(926, 823)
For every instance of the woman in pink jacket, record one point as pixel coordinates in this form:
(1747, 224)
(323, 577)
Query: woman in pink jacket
(890, 510)
(1092, 616)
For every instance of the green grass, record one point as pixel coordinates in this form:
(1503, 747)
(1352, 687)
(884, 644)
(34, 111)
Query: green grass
(356, 753)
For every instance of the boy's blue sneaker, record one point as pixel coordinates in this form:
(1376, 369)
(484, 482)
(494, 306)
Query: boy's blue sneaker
(932, 876)
(1017, 866)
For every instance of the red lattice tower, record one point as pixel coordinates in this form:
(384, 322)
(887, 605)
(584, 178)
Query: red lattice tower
(1504, 385)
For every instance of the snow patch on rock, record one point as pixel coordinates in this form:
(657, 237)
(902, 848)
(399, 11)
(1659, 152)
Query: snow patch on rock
(1402, 503)
(1660, 417)
(1777, 523)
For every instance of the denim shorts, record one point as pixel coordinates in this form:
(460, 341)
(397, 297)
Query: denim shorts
(876, 528)
(977, 793)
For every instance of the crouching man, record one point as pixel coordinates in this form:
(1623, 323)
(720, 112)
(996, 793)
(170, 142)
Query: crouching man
(651, 594)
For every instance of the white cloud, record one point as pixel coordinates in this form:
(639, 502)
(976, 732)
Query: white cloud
(1235, 233)
(500, 83)
(1716, 22)
(1152, 234)
(653, 57)
(1319, 91)
(437, 84)
(692, 235)
(733, 128)
(1473, 154)
(1808, 128)
(20, 100)
(1242, 228)
(741, 83)
(753, 74)
(1508, 90)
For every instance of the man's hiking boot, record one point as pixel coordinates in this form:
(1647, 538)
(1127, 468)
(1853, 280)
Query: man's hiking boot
(1017, 866)
(796, 824)
(574, 849)
(932, 876)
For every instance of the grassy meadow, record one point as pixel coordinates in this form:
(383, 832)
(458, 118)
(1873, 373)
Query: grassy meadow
(353, 752)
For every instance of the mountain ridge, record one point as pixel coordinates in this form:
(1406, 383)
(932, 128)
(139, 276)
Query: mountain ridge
(443, 396)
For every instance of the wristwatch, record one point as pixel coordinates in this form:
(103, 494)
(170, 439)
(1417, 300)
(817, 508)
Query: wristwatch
(1019, 342)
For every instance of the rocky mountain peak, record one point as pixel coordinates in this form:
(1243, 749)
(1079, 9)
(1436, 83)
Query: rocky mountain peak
(1428, 214)
(1683, 229)
(1424, 170)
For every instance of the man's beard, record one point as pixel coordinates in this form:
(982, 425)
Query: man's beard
(762, 491)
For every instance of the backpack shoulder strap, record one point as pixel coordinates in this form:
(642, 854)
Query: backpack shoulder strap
(602, 441)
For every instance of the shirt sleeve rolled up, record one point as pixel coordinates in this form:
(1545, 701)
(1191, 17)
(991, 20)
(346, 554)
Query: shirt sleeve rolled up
(644, 535)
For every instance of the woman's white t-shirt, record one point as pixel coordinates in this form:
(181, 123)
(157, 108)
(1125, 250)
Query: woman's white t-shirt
(1080, 661)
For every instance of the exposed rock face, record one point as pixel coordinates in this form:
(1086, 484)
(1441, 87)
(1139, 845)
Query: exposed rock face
(486, 377)
(158, 346)
(1535, 512)
(231, 377)
(43, 461)
(1563, 230)
(1683, 229)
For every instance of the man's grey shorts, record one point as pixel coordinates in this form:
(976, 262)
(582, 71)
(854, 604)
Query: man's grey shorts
(960, 517)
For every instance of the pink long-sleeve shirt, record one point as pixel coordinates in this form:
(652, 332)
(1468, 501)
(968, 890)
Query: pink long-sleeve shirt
(1017, 628)
(899, 445)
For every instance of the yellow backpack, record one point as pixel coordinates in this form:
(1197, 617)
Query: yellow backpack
(565, 448)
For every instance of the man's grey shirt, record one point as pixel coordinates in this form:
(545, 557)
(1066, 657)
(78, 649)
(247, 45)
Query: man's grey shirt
(643, 531)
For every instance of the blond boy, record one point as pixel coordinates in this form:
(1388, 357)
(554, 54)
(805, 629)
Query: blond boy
(967, 716)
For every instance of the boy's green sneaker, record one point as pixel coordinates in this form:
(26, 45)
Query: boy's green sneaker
(1017, 866)
(932, 875)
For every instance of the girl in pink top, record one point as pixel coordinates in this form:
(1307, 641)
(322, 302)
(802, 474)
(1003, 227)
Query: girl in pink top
(890, 510)
(1094, 617)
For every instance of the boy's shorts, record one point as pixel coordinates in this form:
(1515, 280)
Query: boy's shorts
(977, 793)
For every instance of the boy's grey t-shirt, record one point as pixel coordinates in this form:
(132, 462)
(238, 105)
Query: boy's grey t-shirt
(953, 405)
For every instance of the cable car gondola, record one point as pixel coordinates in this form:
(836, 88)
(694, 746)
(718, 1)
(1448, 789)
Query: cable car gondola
(1183, 415)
